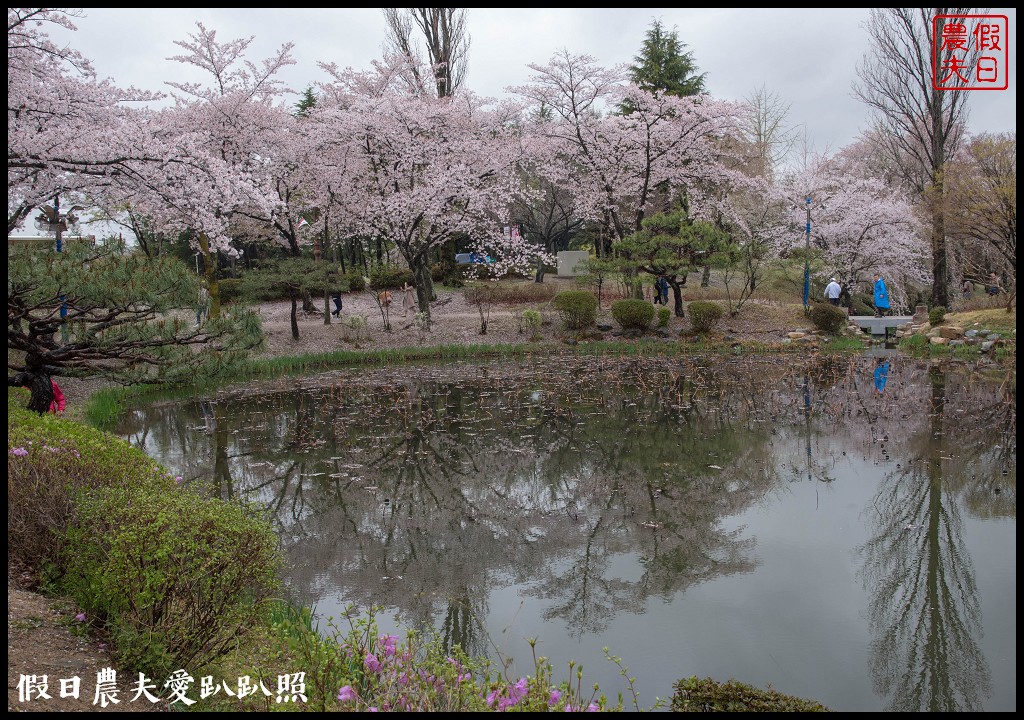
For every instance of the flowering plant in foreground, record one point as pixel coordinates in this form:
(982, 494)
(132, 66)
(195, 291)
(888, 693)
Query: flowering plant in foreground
(375, 672)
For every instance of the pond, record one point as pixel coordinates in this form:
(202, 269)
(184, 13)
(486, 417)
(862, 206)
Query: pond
(842, 530)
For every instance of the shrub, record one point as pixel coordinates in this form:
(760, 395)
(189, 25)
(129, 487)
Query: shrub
(50, 460)
(707, 695)
(827, 317)
(704, 315)
(664, 315)
(230, 290)
(936, 315)
(531, 320)
(576, 308)
(518, 293)
(633, 314)
(175, 576)
(355, 280)
(172, 575)
(389, 277)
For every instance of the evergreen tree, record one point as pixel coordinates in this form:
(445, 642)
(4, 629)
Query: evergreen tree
(307, 103)
(664, 66)
(104, 311)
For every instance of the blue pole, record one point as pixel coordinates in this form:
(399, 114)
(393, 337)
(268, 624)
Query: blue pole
(807, 258)
(60, 248)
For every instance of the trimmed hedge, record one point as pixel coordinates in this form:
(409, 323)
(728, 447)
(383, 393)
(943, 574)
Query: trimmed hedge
(830, 318)
(633, 314)
(704, 315)
(576, 308)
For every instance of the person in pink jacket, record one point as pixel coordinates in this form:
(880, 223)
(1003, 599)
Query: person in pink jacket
(57, 406)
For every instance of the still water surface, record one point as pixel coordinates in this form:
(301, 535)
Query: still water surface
(843, 531)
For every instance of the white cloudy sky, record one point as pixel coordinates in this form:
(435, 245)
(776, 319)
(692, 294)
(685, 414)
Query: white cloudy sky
(807, 57)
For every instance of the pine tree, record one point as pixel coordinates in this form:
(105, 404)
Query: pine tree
(664, 66)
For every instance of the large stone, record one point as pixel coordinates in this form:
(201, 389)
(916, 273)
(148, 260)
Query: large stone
(937, 340)
(951, 331)
(796, 335)
(920, 314)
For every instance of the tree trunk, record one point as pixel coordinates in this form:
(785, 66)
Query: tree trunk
(424, 287)
(677, 296)
(705, 279)
(39, 385)
(483, 320)
(539, 275)
(940, 286)
(295, 314)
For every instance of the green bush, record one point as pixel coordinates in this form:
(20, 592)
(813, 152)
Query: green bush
(230, 290)
(936, 315)
(531, 320)
(172, 576)
(704, 315)
(830, 318)
(389, 277)
(175, 576)
(576, 308)
(633, 314)
(50, 460)
(664, 315)
(707, 695)
(355, 280)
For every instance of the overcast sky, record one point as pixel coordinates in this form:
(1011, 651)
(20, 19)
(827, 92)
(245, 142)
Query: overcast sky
(807, 58)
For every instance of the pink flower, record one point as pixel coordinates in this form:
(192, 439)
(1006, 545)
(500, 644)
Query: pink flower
(555, 697)
(346, 693)
(80, 617)
(372, 663)
(19, 451)
(388, 641)
(593, 707)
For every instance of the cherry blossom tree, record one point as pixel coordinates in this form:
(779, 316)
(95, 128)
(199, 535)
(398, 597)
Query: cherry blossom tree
(623, 167)
(418, 171)
(231, 129)
(862, 226)
(68, 134)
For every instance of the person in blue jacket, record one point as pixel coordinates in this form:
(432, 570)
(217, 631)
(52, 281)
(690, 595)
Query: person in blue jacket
(881, 297)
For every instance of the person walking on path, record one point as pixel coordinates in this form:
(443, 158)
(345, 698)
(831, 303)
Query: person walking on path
(881, 297)
(202, 304)
(408, 299)
(993, 287)
(660, 290)
(59, 403)
(832, 292)
(336, 297)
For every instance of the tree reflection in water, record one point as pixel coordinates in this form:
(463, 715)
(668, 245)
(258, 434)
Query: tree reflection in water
(925, 609)
(429, 489)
